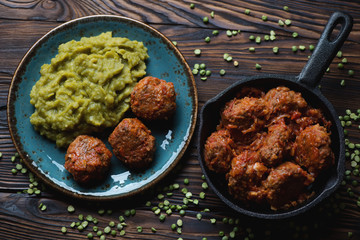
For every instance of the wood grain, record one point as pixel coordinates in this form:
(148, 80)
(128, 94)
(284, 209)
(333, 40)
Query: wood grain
(22, 23)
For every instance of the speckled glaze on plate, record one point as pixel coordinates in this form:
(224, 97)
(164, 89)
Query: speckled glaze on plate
(172, 137)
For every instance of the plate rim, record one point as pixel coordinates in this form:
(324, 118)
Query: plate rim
(27, 160)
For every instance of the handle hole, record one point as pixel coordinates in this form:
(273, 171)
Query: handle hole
(336, 30)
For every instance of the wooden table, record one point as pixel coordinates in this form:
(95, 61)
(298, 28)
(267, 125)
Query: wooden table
(23, 22)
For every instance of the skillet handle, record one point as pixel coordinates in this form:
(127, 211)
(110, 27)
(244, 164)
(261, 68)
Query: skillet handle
(326, 49)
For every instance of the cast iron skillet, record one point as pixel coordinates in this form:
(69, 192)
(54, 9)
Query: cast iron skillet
(305, 83)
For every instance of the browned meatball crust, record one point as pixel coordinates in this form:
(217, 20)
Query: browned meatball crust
(312, 149)
(284, 100)
(286, 185)
(275, 145)
(87, 159)
(218, 151)
(245, 115)
(153, 98)
(245, 175)
(133, 143)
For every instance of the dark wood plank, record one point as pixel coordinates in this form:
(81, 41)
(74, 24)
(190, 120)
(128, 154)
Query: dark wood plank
(22, 23)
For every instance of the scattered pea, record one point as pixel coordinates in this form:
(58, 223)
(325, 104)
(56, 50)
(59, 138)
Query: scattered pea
(207, 39)
(43, 207)
(247, 11)
(197, 52)
(70, 209)
(295, 34)
(222, 72)
(179, 222)
(339, 54)
(351, 73)
(18, 166)
(229, 33)
(257, 66)
(162, 217)
(182, 212)
(294, 48)
(251, 49)
(264, 17)
(215, 32)
(205, 19)
(286, 8)
(132, 212)
(281, 23)
(302, 47)
(63, 230)
(192, 5)
(287, 22)
(275, 50)
(101, 211)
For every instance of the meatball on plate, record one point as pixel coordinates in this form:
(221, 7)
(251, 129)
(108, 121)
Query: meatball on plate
(153, 99)
(87, 159)
(133, 143)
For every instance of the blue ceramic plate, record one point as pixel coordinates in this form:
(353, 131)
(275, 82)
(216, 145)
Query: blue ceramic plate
(43, 158)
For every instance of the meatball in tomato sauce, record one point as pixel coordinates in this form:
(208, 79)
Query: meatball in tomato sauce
(218, 151)
(243, 116)
(312, 149)
(87, 159)
(286, 185)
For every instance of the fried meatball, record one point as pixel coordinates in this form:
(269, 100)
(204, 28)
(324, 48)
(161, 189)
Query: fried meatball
(87, 159)
(153, 98)
(218, 151)
(286, 185)
(245, 175)
(275, 144)
(245, 115)
(133, 143)
(284, 100)
(312, 149)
